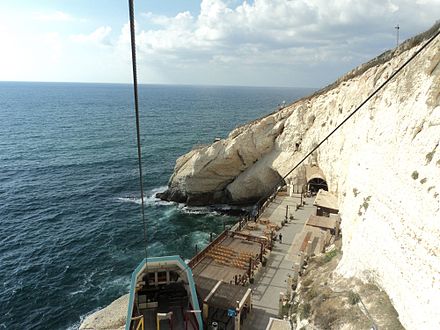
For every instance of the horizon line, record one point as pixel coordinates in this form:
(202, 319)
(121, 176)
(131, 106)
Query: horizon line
(154, 84)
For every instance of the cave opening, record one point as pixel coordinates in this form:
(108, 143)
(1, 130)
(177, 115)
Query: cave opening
(315, 184)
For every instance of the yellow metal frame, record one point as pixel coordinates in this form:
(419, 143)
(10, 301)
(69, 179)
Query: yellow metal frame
(140, 325)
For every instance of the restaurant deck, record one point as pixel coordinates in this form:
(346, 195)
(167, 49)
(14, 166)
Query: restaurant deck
(230, 259)
(230, 268)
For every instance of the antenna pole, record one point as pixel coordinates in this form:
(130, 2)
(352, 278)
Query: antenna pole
(136, 108)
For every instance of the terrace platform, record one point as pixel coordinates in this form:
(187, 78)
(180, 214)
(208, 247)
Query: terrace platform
(228, 260)
(223, 270)
(272, 278)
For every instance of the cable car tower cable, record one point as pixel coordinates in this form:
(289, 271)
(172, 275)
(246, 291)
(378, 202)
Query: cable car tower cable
(136, 109)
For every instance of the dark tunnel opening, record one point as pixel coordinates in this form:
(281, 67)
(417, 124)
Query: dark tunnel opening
(315, 184)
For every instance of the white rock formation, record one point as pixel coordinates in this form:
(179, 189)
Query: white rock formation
(384, 164)
(210, 174)
(111, 317)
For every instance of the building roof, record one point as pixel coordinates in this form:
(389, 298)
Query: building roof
(322, 222)
(219, 294)
(326, 200)
(204, 286)
(226, 296)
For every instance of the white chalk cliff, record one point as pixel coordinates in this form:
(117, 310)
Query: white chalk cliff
(384, 165)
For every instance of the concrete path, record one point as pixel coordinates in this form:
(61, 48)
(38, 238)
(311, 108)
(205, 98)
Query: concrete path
(272, 279)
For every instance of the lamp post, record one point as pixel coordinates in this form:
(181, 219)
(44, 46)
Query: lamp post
(397, 27)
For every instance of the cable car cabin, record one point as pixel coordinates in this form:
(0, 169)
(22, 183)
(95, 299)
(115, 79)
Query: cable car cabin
(163, 296)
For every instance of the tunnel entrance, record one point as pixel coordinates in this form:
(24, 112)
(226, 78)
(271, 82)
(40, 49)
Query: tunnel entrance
(315, 179)
(315, 184)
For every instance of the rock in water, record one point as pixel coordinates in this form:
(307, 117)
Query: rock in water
(111, 317)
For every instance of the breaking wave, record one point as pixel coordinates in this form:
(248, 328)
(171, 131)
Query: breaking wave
(150, 198)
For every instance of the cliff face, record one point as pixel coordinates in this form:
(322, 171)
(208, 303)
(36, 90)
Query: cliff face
(384, 165)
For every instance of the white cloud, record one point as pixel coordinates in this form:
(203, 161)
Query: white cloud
(181, 20)
(259, 42)
(100, 36)
(294, 34)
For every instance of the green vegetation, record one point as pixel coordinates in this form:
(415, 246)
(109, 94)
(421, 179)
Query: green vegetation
(355, 192)
(307, 282)
(311, 294)
(415, 175)
(285, 309)
(364, 205)
(304, 311)
(423, 181)
(294, 309)
(429, 157)
(353, 298)
(325, 317)
(330, 255)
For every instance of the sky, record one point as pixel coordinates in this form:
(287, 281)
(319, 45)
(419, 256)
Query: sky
(295, 43)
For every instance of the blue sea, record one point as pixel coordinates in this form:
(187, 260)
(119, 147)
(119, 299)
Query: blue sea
(70, 225)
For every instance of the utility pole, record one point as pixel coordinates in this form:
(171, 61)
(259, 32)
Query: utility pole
(397, 27)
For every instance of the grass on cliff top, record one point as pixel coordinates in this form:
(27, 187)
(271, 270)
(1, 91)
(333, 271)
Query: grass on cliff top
(327, 307)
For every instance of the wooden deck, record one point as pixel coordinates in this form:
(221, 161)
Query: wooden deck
(227, 259)
(233, 254)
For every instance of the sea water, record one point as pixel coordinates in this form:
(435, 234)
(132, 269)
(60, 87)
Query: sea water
(70, 224)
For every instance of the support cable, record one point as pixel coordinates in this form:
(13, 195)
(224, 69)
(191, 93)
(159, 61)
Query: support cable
(282, 180)
(136, 108)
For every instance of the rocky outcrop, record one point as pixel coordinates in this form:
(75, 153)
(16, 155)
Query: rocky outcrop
(219, 173)
(384, 165)
(111, 317)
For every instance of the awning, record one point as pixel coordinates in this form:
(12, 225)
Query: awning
(226, 296)
(322, 222)
(326, 200)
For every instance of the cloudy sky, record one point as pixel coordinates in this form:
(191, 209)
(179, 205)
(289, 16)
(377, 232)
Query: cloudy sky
(302, 43)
